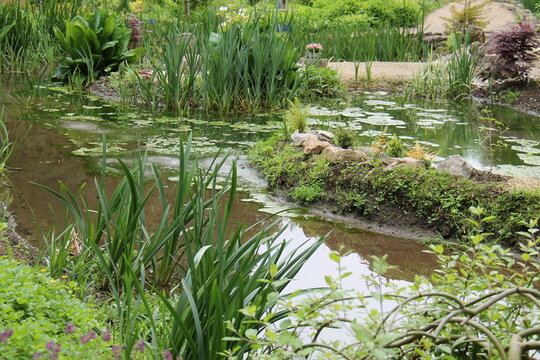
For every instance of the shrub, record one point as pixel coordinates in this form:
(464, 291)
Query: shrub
(465, 18)
(43, 317)
(94, 46)
(344, 137)
(513, 49)
(320, 83)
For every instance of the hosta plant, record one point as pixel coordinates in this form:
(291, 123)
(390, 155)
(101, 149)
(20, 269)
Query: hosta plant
(93, 46)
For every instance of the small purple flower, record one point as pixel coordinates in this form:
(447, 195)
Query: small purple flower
(6, 334)
(167, 355)
(116, 349)
(85, 339)
(54, 349)
(37, 356)
(106, 336)
(70, 328)
(140, 345)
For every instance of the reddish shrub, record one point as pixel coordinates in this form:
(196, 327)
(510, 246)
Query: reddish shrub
(513, 48)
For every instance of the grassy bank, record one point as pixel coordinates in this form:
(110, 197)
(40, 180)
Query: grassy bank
(405, 196)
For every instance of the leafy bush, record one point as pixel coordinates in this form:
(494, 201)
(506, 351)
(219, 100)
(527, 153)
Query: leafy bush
(319, 82)
(94, 46)
(513, 49)
(42, 316)
(480, 303)
(465, 18)
(344, 137)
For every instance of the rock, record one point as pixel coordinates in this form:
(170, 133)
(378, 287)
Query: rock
(394, 163)
(336, 154)
(368, 150)
(312, 145)
(323, 135)
(299, 138)
(457, 166)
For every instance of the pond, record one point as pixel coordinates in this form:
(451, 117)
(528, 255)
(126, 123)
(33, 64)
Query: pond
(61, 140)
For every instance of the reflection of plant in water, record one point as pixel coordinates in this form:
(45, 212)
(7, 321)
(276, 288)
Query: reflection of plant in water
(492, 132)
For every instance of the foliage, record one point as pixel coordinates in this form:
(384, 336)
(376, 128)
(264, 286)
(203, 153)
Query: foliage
(347, 41)
(465, 18)
(395, 148)
(373, 12)
(24, 46)
(448, 77)
(37, 310)
(320, 83)
(344, 137)
(441, 200)
(306, 194)
(513, 48)
(296, 116)
(480, 303)
(238, 66)
(7, 147)
(201, 267)
(94, 46)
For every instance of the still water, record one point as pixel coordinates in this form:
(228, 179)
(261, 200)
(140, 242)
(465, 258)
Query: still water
(60, 136)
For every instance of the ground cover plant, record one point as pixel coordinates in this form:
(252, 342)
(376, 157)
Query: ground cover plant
(433, 199)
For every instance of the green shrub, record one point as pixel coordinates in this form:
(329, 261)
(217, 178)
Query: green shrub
(37, 309)
(94, 46)
(320, 83)
(344, 137)
(395, 148)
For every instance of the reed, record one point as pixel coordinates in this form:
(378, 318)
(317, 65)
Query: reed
(204, 270)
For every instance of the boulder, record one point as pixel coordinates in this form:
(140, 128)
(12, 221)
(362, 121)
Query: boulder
(312, 145)
(299, 138)
(394, 163)
(323, 135)
(457, 166)
(336, 154)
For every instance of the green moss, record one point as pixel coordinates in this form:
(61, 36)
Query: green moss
(438, 200)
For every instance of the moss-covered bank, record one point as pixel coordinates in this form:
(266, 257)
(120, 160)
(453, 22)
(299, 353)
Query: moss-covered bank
(405, 196)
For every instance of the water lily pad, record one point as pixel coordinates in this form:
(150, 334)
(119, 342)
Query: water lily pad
(381, 120)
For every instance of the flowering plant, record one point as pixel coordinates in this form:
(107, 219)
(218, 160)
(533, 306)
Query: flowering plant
(314, 47)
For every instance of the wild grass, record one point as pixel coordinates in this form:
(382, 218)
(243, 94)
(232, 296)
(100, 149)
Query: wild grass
(23, 45)
(449, 77)
(181, 282)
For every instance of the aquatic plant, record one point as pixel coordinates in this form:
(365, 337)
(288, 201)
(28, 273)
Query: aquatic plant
(203, 270)
(94, 46)
(448, 77)
(24, 46)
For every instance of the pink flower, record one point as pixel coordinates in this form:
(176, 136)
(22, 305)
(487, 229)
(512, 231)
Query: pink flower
(167, 355)
(106, 336)
(315, 47)
(70, 328)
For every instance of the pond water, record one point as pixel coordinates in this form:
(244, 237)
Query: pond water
(63, 142)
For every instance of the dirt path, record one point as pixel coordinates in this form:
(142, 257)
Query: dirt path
(497, 15)
(392, 72)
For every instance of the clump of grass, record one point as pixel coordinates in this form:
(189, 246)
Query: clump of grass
(344, 137)
(296, 116)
